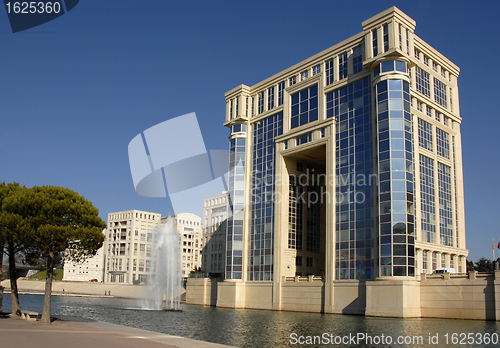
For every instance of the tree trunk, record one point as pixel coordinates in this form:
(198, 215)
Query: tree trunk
(16, 308)
(47, 299)
(2, 244)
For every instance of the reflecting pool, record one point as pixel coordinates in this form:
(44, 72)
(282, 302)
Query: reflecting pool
(261, 328)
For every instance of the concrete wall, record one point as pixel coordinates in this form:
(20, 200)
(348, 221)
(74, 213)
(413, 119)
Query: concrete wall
(79, 288)
(302, 295)
(465, 298)
(201, 291)
(458, 296)
(349, 297)
(259, 295)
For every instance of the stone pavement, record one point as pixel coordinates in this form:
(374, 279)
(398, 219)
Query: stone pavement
(82, 333)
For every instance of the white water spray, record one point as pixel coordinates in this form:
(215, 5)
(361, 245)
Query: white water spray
(165, 275)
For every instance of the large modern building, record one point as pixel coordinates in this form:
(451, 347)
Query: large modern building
(214, 234)
(346, 168)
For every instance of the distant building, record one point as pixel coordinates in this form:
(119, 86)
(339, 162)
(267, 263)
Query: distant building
(214, 234)
(90, 269)
(190, 229)
(128, 245)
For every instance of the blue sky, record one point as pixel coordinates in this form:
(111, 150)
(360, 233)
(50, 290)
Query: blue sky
(75, 91)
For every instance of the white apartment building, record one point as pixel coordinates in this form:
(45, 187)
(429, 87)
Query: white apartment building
(190, 229)
(215, 216)
(90, 269)
(128, 245)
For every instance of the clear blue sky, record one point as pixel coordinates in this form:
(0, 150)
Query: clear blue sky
(75, 91)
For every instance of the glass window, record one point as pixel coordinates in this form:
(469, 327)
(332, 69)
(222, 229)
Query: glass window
(445, 212)
(422, 81)
(270, 98)
(407, 42)
(303, 139)
(417, 54)
(329, 71)
(357, 59)
(425, 134)
(386, 37)
(261, 102)
(342, 66)
(304, 75)
(427, 200)
(440, 96)
(374, 42)
(400, 66)
(292, 80)
(304, 106)
(426, 60)
(316, 69)
(400, 37)
(419, 106)
(428, 111)
(387, 66)
(281, 90)
(443, 143)
(434, 67)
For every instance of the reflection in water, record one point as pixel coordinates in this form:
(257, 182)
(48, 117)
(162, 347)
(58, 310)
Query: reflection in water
(254, 328)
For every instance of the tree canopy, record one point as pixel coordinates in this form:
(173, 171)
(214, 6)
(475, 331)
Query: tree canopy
(57, 220)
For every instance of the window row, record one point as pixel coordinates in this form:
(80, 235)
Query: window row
(435, 67)
(429, 111)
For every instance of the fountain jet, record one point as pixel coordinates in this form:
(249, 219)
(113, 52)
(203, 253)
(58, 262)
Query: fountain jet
(164, 281)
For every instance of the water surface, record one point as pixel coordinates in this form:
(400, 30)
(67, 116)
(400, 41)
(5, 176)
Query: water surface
(262, 328)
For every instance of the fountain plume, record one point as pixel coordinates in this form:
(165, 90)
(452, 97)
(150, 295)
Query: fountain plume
(165, 275)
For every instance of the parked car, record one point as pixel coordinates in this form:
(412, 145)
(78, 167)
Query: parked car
(93, 280)
(442, 270)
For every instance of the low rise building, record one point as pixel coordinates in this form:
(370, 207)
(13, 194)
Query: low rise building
(91, 269)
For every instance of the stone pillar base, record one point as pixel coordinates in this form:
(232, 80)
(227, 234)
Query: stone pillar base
(393, 298)
(231, 294)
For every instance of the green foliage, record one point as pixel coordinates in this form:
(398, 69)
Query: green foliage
(47, 221)
(42, 275)
(58, 218)
(197, 270)
(484, 265)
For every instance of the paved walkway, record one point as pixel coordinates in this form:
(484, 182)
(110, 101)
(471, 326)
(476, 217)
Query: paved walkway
(82, 333)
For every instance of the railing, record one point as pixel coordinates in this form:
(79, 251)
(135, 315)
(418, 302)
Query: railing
(446, 276)
(310, 278)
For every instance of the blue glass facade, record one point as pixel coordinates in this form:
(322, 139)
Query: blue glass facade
(234, 242)
(445, 207)
(355, 229)
(260, 254)
(396, 193)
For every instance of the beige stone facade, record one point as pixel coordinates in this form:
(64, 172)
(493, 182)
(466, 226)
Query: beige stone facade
(376, 116)
(214, 234)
